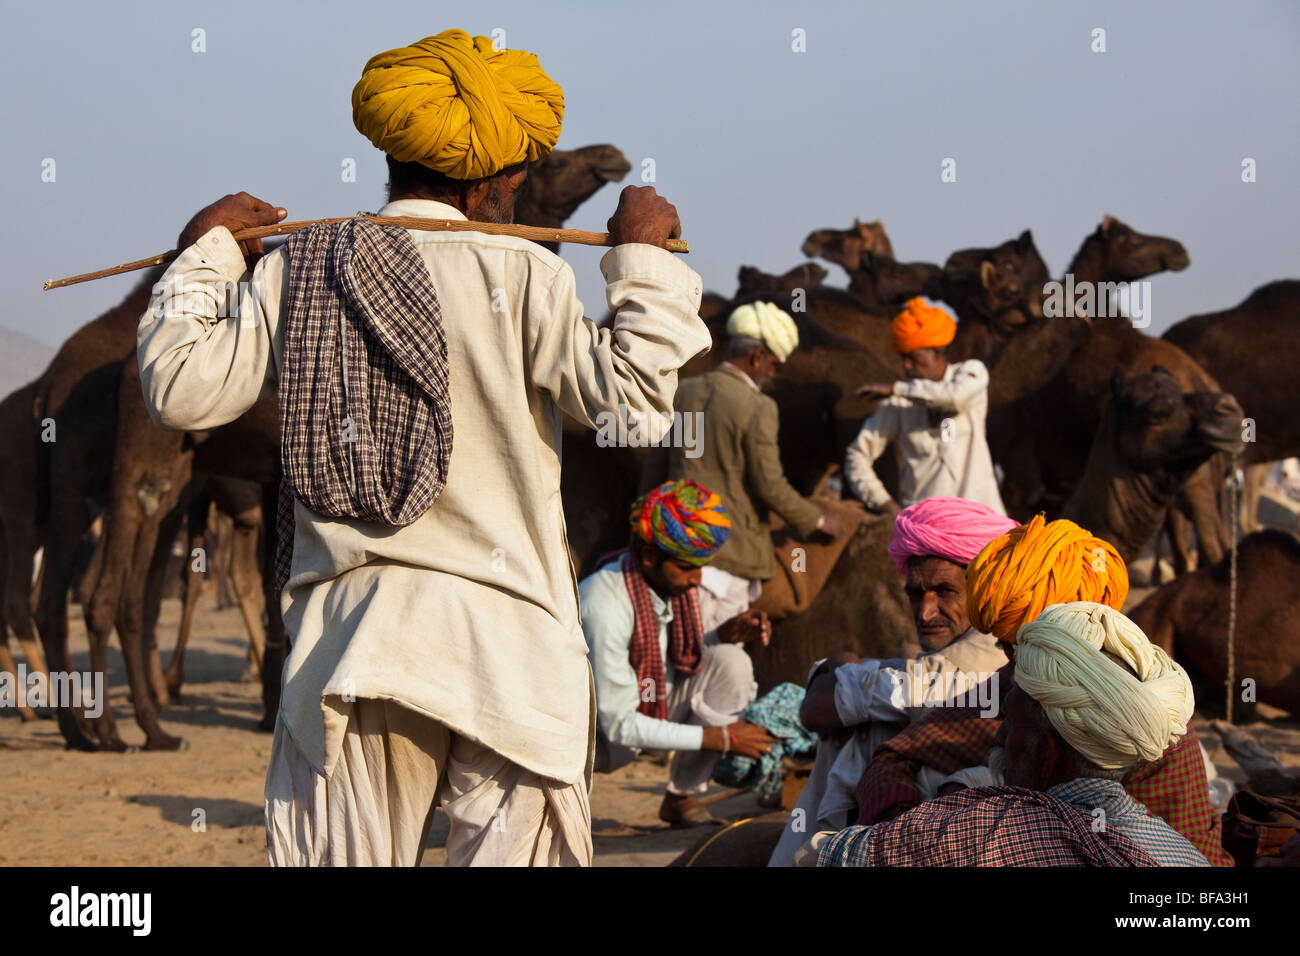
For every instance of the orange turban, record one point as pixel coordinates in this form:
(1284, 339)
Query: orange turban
(921, 326)
(1036, 565)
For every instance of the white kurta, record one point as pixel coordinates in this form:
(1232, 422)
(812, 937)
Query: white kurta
(939, 428)
(470, 614)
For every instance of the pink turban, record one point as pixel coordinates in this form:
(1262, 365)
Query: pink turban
(951, 528)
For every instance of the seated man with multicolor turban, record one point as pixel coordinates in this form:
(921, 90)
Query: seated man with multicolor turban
(936, 418)
(1009, 584)
(855, 705)
(662, 681)
(438, 657)
(1093, 701)
(739, 458)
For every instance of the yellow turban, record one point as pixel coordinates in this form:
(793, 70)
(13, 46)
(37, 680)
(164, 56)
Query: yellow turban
(768, 323)
(921, 326)
(1037, 564)
(458, 106)
(1103, 712)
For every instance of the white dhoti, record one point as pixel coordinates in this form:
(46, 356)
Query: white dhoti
(395, 767)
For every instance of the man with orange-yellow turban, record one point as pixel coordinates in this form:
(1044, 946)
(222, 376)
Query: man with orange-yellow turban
(936, 417)
(437, 654)
(1008, 585)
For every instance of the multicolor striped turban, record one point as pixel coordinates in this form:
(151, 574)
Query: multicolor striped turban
(458, 105)
(1037, 564)
(951, 528)
(921, 326)
(682, 518)
(1109, 716)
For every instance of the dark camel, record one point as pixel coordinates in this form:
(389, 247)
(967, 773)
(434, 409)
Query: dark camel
(1151, 438)
(866, 254)
(1188, 618)
(562, 181)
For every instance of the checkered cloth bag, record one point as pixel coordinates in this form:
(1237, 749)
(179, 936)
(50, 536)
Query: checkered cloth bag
(365, 411)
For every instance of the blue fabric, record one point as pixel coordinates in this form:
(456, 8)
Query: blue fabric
(1130, 819)
(777, 712)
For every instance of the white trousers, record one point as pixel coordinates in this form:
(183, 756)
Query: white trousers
(395, 767)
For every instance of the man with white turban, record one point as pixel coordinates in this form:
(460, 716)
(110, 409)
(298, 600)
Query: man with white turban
(738, 457)
(437, 658)
(1093, 700)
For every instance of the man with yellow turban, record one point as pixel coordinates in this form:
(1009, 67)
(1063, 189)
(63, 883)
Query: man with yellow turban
(666, 680)
(437, 657)
(1093, 700)
(936, 418)
(1009, 584)
(738, 455)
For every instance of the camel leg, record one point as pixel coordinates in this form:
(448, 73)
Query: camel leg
(155, 585)
(7, 666)
(1179, 528)
(105, 725)
(221, 555)
(1203, 498)
(198, 518)
(246, 580)
(20, 547)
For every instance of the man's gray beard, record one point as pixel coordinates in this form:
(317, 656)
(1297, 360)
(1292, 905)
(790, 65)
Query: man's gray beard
(494, 209)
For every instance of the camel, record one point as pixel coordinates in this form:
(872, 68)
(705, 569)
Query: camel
(1151, 438)
(878, 279)
(563, 180)
(753, 281)
(1252, 350)
(1188, 618)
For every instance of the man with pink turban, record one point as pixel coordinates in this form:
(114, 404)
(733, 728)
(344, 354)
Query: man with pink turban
(855, 705)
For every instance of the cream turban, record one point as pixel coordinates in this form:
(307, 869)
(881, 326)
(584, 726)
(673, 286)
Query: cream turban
(458, 105)
(767, 322)
(1103, 712)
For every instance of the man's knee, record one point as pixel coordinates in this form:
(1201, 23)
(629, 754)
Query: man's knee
(733, 661)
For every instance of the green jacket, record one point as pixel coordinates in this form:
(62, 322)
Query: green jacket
(739, 460)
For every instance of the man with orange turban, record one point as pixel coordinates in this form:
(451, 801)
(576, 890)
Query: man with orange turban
(438, 658)
(936, 417)
(1009, 584)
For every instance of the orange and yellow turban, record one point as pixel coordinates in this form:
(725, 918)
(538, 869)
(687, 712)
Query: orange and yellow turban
(458, 105)
(682, 518)
(921, 326)
(1038, 564)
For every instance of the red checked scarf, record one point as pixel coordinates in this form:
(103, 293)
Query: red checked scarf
(365, 413)
(685, 639)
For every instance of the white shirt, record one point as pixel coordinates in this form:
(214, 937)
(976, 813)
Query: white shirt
(469, 615)
(939, 428)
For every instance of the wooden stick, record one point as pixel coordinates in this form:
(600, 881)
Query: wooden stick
(536, 233)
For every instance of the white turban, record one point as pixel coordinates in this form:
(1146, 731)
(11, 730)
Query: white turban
(766, 322)
(1102, 711)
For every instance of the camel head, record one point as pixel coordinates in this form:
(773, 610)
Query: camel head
(892, 282)
(844, 247)
(1160, 428)
(1125, 255)
(753, 280)
(1001, 286)
(563, 180)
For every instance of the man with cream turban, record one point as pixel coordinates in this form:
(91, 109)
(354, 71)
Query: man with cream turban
(737, 455)
(1093, 700)
(1009, 584)
(936, 418)
(855, 705)
(663, 680)
(438, 658)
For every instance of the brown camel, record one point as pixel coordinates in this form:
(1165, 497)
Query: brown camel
(562, 181)
(867, 255)
(754, 281)
(1188, 618)
(19, 534)
(1151, 438)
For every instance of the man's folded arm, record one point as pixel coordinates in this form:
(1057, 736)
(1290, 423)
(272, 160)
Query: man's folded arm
(860, 457)
(767, 477)
(205, 342)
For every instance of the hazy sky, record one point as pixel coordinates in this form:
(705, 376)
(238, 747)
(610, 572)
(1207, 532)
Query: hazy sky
(756, 144)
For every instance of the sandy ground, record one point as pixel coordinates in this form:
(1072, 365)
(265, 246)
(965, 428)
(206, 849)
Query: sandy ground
(203, 806)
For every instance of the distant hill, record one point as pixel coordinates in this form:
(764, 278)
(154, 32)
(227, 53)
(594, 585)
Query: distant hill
(22, 358)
